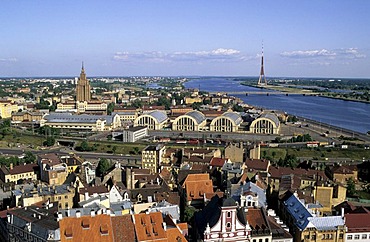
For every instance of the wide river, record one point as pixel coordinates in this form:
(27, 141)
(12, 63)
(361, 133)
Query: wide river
(350, 115)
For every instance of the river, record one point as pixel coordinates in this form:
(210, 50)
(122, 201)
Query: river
(346, 114)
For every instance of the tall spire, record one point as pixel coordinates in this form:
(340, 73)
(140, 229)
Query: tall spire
(262, 79)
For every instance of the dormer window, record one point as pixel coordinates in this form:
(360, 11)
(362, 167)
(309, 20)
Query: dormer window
(68, 233)
(85, 224)
(104, 230)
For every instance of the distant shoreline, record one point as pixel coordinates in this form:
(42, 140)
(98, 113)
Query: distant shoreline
(308, 93)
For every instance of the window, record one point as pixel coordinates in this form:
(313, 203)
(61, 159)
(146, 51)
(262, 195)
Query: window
(357, 236)
(229, 214)
(228, 225)
(313, 237)
(364, 236)
(349, 237)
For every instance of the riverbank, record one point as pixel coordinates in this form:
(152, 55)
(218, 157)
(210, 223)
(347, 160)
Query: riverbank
(303, 92)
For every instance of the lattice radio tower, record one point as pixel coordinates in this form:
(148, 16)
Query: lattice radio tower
(262, 79)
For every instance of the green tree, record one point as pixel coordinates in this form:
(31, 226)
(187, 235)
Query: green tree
(102, 167)
(238, 108)
(351, 188)
(84, 146)
(29, 157)
(110, 108)
(196, 105)
(189, 213)
(50, 141)
(114, 149)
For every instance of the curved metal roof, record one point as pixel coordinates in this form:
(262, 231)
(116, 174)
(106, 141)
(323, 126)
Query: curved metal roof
(83, 118)
(198, 116)
(234, 116)
(272, 117)
(158, 115)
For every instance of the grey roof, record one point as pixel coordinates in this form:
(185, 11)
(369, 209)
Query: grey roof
(41, 220)
(272, 117)
(44, 191)
(249, 187)
(198, 116)
(298, 211)
(167, 208)
(234, 116)
(326, 223)
(158, 115)
(71, 118)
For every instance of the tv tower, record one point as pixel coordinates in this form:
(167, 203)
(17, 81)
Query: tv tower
(262, 79)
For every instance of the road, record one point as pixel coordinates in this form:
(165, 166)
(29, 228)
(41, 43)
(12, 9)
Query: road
(66, 151)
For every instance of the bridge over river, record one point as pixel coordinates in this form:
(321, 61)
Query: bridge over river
(266, 93)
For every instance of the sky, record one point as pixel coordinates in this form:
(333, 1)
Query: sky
(308, 38)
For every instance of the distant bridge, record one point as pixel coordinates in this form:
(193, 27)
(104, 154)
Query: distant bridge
(266, 93)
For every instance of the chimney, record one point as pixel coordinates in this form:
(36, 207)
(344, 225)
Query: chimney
(164, 226)
(78, 214)
(11, 166)
(342, 212)
(92, 213)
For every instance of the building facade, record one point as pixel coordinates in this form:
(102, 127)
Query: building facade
(83, 89)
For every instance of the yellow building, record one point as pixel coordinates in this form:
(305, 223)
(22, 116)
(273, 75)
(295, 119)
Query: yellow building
(7, 108)
(16, 173)
(26, 116)
(62, 194)
(191, 100)
(305, 226)
(151, 157)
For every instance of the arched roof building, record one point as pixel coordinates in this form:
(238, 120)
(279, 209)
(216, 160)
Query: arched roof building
(191, 121)
(266, 123)
(154, 120)
(227, 122)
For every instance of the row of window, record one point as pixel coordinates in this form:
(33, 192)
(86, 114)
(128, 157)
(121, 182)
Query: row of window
(357, 236)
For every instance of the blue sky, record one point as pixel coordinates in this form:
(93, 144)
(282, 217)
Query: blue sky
(125, 38)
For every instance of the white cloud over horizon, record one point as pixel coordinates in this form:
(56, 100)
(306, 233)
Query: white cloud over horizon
(8, 60)
(218, 55)
(349, 53)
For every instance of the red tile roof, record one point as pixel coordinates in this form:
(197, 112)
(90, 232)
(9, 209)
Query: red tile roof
(196, 185)
(257, 164)
(148, 227)
(86, 228)
(358, 222)
(217, 162)
(123, 228)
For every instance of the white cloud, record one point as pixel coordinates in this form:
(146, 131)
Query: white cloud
(8, 59)
(307, 53)
(349, 53)
(220, 55)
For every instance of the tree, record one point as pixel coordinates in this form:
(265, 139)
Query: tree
(50, 141)
(110, 108)
(351, 188)
(102, 167)
(238, 108)
(29, 157)
(84, 146)
(114, 149)
(189, 213)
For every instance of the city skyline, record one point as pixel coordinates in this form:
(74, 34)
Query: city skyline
(160, 38)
